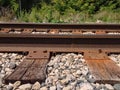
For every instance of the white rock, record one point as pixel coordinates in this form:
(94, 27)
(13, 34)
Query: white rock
(70, 77)
(14, 54)
(109, 87)
(49, 80)
(118, 57)
(43, 88)
(8, 73)
(59, 86)
(8, 70)
(16, 85)
(36, 86)
(78, 72)
(51, 63)
(86, 86)
(56, 71)
(2, 71)
(2, 75)
(64, 81)
(113, 58)
(73, 83)
(118, 65)
(52, 88)
(67, 88)
(25, 87)
(84, 72)
(83, 60)
(49, 69)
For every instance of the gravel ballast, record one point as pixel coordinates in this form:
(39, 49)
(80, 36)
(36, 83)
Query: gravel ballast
(67, 71)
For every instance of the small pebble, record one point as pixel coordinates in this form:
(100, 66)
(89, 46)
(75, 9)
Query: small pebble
(25, 87)
(36, 86)
(9, 87)
(16, 85)
(43, 88)
(67, 88)
(109, 87)
(86, 86)
(65, 72)
(117, 86)
(52, 88)
(12, 65)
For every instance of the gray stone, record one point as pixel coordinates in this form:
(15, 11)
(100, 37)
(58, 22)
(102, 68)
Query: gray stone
(49, 69)
(91, 80)
(117, 86)
(36, 86)
(52, 88)
(73, 84)
(42, 84)
(12, 65)
(56, 65)
(9, 87)
(70, 77)
(0, 82)
(59, 86)
(25, 87)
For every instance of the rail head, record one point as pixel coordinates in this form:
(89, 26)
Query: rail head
(60, 25)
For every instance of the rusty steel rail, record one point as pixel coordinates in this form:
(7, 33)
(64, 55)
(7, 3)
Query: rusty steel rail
(74, 37)
(94, 41)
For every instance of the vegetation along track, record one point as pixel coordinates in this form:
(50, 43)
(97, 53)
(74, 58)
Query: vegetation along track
(41, 41)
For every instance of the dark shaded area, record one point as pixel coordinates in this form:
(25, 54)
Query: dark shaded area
(15, 40)
(60, 26)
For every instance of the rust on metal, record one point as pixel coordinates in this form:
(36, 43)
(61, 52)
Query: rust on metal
(95, 41)
(27, 30)
(95, 54)
(38, 54)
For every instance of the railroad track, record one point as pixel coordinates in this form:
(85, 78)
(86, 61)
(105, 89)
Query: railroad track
(40, 41)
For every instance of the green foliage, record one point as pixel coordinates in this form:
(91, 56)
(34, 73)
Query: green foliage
(59, 11)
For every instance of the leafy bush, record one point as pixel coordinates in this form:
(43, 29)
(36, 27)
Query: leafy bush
(61, 11)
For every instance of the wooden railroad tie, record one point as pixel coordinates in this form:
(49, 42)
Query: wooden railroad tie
(29, 71)
(103, 69)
